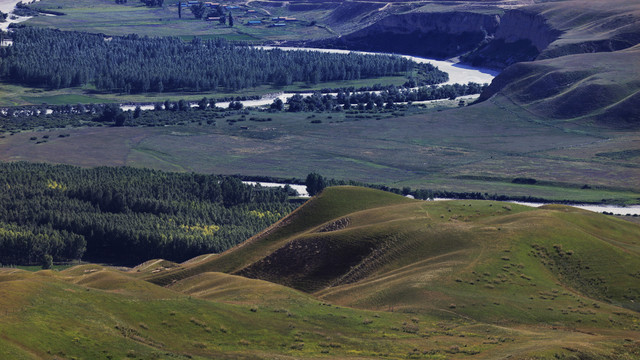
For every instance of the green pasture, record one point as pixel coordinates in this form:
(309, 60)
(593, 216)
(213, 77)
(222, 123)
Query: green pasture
(478, 148)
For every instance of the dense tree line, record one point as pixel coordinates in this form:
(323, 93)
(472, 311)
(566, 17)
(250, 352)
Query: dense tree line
(372, 100)
(131, 64)
(13, 119)
(126, 215)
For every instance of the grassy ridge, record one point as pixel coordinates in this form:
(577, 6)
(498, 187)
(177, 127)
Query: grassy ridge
(442, 271)
(561, 88)
(480, 259)
(325, 207)
(94, 323)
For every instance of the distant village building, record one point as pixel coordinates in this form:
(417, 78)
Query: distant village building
(284, 18)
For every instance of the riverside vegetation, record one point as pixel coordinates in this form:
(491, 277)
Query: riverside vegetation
(55, 59)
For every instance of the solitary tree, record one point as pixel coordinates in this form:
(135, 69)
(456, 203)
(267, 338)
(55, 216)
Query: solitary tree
(47, 261)
(203, 103)
(110, 112)
(198, 10)
(179, 9)
(277, 104)
(230, 19)
(315, 183)
(183, 105)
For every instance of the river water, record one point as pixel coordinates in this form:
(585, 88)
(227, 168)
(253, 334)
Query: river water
(7, 6)
(616, 210)
(458, 74)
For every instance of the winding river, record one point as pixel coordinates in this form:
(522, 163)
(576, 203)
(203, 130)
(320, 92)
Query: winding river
(458, 73)
(7, 7)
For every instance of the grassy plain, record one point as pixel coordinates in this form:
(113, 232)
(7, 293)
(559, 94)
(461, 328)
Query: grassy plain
(480, 148)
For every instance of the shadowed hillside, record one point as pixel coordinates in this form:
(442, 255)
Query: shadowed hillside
(600, 86)
(590, 73)
(323, 208)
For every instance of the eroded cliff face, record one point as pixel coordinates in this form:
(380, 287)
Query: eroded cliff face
(493, 40)
(520, 36)
(436, 35)
(516, 25)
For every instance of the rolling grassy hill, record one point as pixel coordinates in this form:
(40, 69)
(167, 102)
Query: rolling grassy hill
(421, 280)
(485, 260)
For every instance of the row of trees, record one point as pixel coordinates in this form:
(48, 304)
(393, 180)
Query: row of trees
(370, 100)
(126, 215)
(130, 64)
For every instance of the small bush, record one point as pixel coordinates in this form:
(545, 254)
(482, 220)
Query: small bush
(410, 328)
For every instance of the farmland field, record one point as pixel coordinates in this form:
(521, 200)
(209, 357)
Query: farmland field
(107, 17)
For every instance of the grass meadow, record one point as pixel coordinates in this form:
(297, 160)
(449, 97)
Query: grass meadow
(479, 148)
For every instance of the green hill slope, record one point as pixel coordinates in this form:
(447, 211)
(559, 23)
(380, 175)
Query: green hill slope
(429, 280)
(599, 86)
(485, 260)
(49, 315)
(331, 204)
